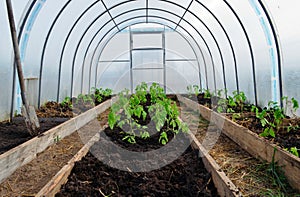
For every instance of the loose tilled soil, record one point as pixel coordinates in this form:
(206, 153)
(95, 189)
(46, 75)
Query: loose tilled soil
(284, 138)
(14, 133)
(50, 114)
(32, 177)
(186, 176)
(250, 175)
(109, 171)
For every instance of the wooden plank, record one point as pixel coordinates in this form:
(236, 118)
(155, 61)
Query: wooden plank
(257, 146)
(54, 185)
(24, 153)
(223, 184)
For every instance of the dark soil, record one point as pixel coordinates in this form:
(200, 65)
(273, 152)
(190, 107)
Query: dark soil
(186, 176)
(284, 138)
(146, 168)
(50, 115)
(14, 133)
(55, 109)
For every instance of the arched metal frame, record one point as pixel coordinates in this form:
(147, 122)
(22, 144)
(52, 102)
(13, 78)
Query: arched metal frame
(21, 30)
(171, 28)
(138, 9)
(152, 22)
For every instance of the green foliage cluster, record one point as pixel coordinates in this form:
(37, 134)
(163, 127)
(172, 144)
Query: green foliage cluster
(100, 93)
(163, 110)
(88, 99)
(270, 118)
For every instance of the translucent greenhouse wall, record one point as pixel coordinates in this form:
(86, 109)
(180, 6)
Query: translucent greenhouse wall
(67, 47)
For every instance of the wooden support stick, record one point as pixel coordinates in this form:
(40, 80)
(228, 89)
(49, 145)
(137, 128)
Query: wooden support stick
(31, 120)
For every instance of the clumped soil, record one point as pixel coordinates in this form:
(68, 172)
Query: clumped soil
(50, 114)
(186, 176)
(283, 138)
(29, 179)
(114, 167)
(15, 133)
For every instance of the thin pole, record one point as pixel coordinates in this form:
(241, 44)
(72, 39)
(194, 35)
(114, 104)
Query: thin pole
(30, 123)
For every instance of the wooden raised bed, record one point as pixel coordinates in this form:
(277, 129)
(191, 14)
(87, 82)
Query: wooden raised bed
(26, 152)
(257, 146)
(223, 184)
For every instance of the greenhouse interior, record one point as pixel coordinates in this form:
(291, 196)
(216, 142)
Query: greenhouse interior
(149, 98)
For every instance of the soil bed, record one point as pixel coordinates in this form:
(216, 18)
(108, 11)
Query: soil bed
(50, 115)
(252, 176)
(284, 138)
(115, 167)
(186, 176)
(30, 178)
(15, 133)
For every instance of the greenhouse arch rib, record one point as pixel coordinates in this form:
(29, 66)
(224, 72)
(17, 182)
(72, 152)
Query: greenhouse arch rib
(182, 18)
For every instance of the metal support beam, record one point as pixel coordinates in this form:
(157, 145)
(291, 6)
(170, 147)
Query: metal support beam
(131, 64)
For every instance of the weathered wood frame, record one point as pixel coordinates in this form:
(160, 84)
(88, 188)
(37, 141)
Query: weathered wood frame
(257, 146)
(26, 152)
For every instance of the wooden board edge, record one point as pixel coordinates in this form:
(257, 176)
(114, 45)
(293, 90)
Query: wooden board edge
(285, 159)
(26, 152)
(223, 184)
(54, 185)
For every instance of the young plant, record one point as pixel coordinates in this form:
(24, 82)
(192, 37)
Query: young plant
(293, 150)
(240, 99)
(67, 102)
(222, 105)
(130, 108)
(207, 94)
(156, 92)
(292, 104)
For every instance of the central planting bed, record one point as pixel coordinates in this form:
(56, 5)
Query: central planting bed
(144, 151)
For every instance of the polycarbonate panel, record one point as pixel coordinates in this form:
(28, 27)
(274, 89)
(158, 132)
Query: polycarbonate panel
(147, 59)
(179, 48)
(180, 74)
(148, 76)
(260, 45)
(182, 3)
(147, 40)
(115, 76)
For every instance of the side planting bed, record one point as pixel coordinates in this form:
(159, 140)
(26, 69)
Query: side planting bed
(26, 152)
(133, 129)
(257, 146)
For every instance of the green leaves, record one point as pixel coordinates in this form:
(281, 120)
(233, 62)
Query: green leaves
(268, 132)
(163, 111)
(163, 139)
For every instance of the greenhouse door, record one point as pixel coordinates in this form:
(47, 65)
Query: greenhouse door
(147, 55)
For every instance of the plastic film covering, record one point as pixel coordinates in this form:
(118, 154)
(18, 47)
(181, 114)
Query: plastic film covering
(68, 47)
